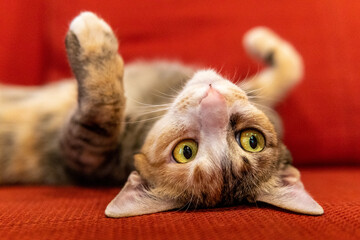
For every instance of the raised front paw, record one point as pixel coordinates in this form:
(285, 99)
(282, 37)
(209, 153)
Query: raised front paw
(262, 43)
(90, 39)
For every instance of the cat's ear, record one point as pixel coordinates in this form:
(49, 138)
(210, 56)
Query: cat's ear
(134, 199)
(290, 194)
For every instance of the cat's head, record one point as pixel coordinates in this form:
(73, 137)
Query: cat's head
(212, 148)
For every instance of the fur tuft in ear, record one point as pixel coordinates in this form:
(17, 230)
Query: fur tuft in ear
(290, 194)
(134, 199)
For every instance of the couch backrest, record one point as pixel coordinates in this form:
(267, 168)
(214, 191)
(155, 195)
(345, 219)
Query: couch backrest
(321, 117)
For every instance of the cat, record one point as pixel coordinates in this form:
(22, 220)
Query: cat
(215, 143)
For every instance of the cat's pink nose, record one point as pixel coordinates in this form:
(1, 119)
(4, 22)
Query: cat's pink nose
(213, 109)
(212, 96)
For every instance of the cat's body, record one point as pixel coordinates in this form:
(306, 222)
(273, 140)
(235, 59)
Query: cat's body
(214, 143)
(34, 117)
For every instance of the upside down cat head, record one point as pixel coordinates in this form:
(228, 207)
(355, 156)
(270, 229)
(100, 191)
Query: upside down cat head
(213, 147)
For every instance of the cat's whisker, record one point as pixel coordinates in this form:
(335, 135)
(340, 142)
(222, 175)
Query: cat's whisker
(181, 208)
(151, 108)
(246, 76)
(247, 81)
(255, 185)
(186, 78)
(147, 104)
(232, 79)
(146, 116)
(164, 94)
(189, 203)
(243, 84)
(240, 80)
(257, 72)
(160, 109)
(261, 98)
(197, 202)
(178, 195)
(221, 69)
(257, 91)
(262, 106)
(157, 112)
(171, 87)
(141, 111)
(237, 82)
(146, 111)
(161, 96)
(249, 92)
(143, 120)
(186, 188)
(182, 192)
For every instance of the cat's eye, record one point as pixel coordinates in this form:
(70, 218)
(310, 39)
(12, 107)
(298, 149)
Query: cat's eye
(185, 151)
(251, 140)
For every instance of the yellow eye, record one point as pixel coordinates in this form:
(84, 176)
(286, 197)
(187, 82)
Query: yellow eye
(251, 140)
(185, 151)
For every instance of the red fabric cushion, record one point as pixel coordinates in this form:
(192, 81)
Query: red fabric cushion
(321, 116)
(78, 213)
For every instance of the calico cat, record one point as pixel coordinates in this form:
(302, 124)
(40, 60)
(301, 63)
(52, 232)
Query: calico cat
(215, 143)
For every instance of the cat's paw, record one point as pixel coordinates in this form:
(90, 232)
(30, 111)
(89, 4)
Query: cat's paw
(91, 36)
(262, 43)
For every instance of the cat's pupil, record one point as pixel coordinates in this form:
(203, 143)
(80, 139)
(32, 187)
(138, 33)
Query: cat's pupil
(253, 142)
(187, 152)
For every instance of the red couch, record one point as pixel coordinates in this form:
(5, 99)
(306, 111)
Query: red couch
(321, 117)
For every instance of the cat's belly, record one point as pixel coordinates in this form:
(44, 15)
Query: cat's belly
(30, 123)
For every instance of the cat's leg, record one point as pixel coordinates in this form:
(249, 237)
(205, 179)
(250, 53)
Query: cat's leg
(90, 138)
(285, 66)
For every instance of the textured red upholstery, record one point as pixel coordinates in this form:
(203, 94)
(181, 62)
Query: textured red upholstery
(321, 116)
(78, 213)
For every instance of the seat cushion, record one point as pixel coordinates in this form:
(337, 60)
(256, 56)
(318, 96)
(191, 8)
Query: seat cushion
(40, 212)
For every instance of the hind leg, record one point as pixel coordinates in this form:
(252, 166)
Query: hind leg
(90, 138)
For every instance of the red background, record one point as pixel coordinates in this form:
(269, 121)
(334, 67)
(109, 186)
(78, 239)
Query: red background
(321, 116)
